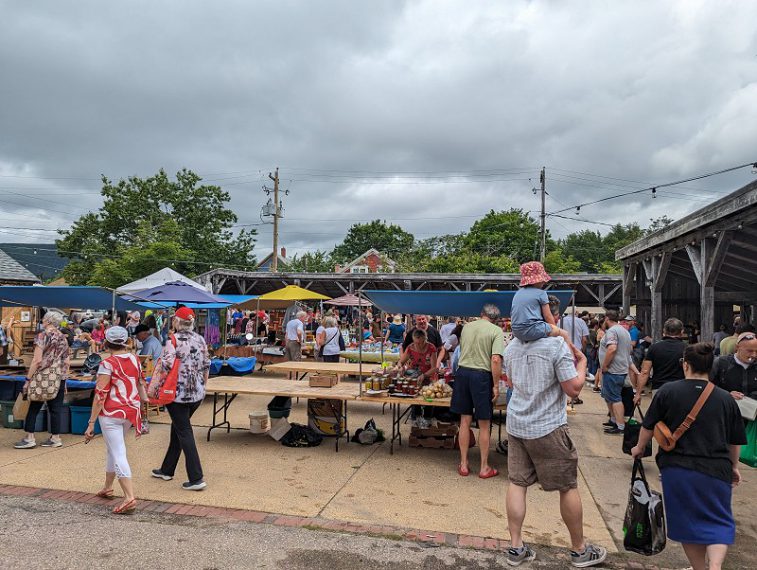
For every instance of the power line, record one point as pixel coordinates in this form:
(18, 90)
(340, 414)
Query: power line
(654, 189)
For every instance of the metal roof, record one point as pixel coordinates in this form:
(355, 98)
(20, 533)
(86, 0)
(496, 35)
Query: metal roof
(11, 271)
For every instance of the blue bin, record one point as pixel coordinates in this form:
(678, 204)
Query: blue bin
(8, 390)
(80, 419)
(65, 419)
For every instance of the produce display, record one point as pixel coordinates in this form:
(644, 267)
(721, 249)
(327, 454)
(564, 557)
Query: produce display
(406, 384)
(436, 391)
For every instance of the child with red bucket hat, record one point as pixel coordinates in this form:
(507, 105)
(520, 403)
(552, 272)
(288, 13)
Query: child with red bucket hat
(532, 318)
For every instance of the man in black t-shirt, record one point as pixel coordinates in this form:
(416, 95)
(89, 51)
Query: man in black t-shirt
(663, 359)
(432, 335)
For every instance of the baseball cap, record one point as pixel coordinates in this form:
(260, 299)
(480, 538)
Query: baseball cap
(629, 318)
(746, 336)
(185, 313)
(117, 335)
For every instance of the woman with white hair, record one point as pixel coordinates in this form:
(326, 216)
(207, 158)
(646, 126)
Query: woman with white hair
(50, 358)
(192, 352)
(328, 340)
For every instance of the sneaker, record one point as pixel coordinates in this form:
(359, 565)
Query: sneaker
(591, 556)
(502, 447)
(597, 390)
(52, 443)
(158, 474)
(516, 557)
(577, 401)
(196, 486)
(25, 444)
(615, 430)
(609, 424)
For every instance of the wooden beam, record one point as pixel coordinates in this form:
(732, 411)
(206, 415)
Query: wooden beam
(695, 257)
(661, 271)
(750, 246)
(736, 297)
(590, 292)
(717, 256)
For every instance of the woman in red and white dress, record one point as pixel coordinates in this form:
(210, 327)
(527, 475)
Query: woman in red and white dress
(119, 394)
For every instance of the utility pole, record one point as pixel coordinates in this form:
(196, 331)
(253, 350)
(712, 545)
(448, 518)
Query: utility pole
(543, 237)
(275, 258)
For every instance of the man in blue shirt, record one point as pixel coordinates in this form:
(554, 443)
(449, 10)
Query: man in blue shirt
(630, 325)
(150, 345)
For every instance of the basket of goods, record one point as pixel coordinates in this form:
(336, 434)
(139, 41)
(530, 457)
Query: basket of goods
(436, 391)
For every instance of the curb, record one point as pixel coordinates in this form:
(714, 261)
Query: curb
(236, 515)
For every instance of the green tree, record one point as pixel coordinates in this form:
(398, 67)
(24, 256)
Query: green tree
(587, 248)
(658, 224)
(316, 262)
(512, 233)
(389, 239)
(134, 215)
(557, 261)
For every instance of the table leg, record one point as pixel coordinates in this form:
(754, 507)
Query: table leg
(397, 416)
(227, 400)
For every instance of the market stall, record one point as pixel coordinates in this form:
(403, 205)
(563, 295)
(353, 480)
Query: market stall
(454, 303)
(226, 389)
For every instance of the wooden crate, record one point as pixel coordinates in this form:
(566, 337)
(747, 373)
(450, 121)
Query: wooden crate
(323, 380)
(440, 437)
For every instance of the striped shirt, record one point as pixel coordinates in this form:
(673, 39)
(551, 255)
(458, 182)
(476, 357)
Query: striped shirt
(536, 369)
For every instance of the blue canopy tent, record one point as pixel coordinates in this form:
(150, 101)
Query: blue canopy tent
(73, 297)
(229, 300)
(454, 303)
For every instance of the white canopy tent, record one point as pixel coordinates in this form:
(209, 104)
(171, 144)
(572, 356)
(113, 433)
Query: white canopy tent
(158, 278)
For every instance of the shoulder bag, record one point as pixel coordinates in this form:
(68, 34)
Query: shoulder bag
(45, 383)
(668, 440)
(166, 391)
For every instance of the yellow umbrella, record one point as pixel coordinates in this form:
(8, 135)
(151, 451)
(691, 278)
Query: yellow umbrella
(282, 298)
(293, 293)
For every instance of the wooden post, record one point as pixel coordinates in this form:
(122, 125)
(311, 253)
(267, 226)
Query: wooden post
(629, 273)
(710, 269)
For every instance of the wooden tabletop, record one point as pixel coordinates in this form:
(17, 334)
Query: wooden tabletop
(271, 386)
(311, 367)
(387, 399)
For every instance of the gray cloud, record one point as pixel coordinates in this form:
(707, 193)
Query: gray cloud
(645, 92)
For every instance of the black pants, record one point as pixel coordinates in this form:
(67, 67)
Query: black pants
(182, 439)
(331, 358)
(56, 409)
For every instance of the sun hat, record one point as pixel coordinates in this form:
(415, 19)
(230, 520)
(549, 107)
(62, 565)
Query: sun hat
(533, 272)
(630, 318)
(185, 313)
(397, 319)
(117, 335)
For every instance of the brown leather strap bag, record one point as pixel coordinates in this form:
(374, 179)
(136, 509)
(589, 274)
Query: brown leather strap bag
(662, 433)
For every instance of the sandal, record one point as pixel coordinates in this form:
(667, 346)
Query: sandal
(105, 494)
(489, 474)
(126, 508)
(463, 471)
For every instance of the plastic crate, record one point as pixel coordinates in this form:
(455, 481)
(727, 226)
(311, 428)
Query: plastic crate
(80, 419)
(8, 390)
(6, 410)
(65, 418)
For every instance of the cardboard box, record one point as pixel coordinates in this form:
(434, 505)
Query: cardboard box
(279, 428)
(323, 381)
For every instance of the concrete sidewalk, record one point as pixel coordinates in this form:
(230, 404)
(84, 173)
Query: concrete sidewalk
(414, 488)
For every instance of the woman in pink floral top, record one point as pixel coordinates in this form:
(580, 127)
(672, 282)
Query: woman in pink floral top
(50, 353)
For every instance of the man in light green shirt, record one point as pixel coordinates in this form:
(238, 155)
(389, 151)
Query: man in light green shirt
(477, 384)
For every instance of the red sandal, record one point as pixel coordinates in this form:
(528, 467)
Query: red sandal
(489, 474)
(126, 508)
(105, 494)
(463, 471)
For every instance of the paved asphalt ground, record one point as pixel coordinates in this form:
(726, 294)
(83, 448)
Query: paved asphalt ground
(48, 534)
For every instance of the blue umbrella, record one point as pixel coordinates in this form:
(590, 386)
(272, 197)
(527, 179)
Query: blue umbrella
(177, 292)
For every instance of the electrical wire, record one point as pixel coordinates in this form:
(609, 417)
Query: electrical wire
(653, 189)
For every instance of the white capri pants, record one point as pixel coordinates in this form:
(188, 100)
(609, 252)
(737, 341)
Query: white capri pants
(114, 432)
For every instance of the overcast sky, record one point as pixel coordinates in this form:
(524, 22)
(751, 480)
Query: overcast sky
(427, 114)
